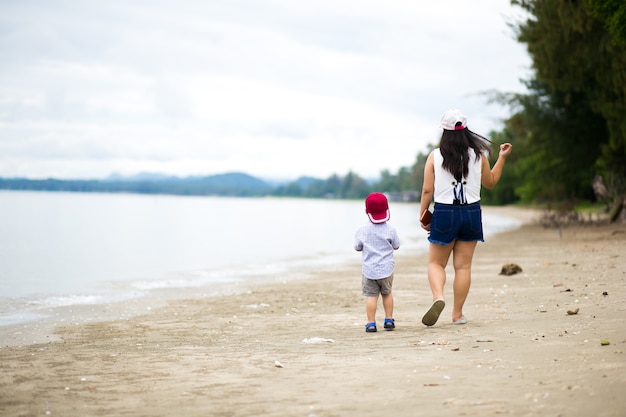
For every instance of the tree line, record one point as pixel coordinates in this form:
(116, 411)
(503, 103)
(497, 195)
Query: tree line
(569, 131)
(405, 184)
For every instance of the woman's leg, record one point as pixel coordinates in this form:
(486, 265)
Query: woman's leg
(462, 260)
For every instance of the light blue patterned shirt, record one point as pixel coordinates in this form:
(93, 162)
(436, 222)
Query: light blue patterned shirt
(376, 242)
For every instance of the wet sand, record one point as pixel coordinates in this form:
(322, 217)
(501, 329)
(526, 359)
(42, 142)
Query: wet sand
(547, 341)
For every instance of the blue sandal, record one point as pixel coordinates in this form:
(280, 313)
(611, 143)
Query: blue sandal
(370, 327)
(390, 324)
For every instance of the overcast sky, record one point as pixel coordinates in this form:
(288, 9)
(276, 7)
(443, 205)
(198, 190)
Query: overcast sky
(274, 88)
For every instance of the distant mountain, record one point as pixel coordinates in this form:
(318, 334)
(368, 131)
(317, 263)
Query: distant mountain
(234, 179)
(142, 176)
(230, 184)
(233, 184)
(304, 182)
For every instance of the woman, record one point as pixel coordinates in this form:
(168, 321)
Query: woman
(453, 176)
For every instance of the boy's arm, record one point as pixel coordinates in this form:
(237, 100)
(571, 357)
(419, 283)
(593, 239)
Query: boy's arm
(358, 243)
(395, 241)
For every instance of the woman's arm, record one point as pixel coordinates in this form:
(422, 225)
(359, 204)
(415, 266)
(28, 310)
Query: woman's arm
(428, 187)
(491, 176)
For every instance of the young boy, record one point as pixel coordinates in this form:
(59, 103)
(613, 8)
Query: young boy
(377, 240)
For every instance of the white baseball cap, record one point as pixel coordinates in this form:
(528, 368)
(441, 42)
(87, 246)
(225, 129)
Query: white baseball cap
(451, 118)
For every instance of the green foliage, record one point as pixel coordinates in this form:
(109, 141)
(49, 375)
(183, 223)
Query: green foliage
(388, 182)
(571, 124)
(402, 181)
(417, 174)
(613, 13)
(352, 186)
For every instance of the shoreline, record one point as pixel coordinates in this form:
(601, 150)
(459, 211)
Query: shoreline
(37, 324)
(520, 354)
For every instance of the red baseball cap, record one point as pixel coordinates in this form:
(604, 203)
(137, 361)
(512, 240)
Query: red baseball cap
(377, 208)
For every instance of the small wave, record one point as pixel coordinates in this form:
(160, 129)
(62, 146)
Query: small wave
(18, 318)
(23, 310)
(70, 300)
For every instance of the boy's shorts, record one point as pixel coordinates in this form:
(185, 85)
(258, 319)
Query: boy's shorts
(456, 222)
(374, 287)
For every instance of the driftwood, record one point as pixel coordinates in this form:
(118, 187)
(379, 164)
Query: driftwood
(557, 219)
(612, 195)
(616, 209)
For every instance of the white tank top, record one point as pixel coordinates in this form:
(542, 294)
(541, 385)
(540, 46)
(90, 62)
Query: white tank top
(446, 187)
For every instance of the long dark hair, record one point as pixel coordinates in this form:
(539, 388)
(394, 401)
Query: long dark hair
(454, 146)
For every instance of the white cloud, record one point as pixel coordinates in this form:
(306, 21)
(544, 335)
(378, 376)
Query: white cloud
(274, 88)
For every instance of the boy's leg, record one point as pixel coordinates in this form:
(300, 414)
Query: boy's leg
(370, 308)
(388, 305)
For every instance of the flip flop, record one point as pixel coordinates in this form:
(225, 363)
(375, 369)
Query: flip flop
(390, 324)
(432, 315)
(462, 320)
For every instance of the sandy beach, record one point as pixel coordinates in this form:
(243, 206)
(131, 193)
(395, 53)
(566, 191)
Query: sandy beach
(547, 341)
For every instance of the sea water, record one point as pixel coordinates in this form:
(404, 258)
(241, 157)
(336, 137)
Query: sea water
(65, 249)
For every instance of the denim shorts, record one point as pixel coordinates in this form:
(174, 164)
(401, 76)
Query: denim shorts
(456, 222)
